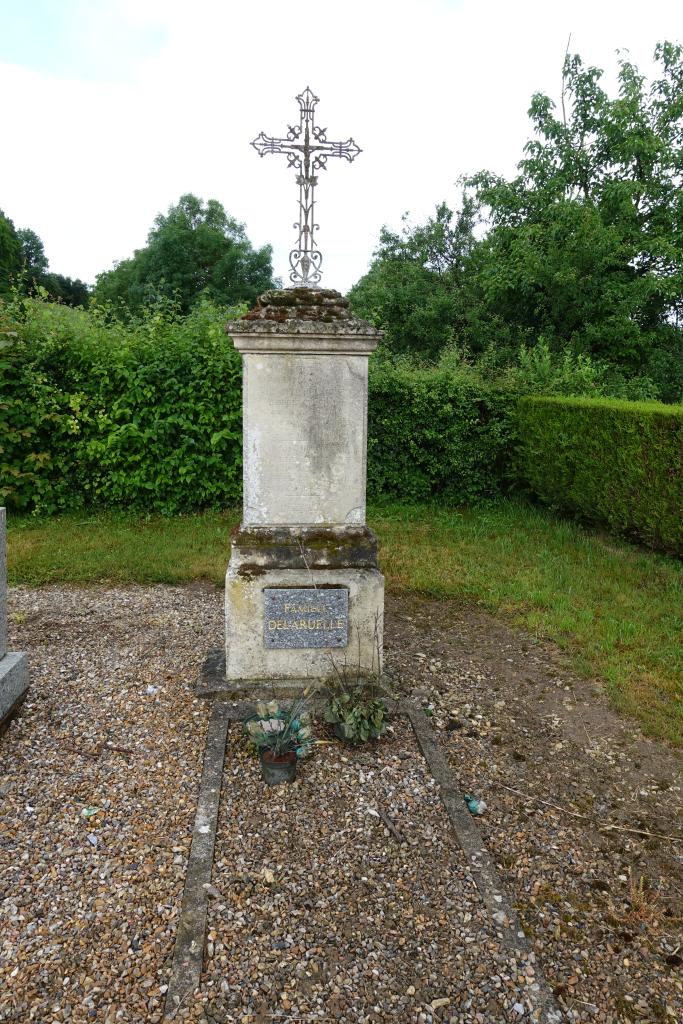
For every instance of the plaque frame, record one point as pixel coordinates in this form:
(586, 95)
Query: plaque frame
(305, 617)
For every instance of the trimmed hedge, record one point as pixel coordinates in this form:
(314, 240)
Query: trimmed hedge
(612, 463)
(434, 434)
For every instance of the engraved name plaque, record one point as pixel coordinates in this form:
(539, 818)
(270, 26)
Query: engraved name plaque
(306, 617)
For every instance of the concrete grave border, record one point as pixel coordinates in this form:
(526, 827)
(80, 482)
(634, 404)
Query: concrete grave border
(188, 954)
(191, 936)
(13, 664)
(13, 687)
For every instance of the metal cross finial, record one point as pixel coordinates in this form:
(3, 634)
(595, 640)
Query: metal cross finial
(307, 150)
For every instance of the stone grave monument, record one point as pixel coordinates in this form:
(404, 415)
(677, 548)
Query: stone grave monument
(13, 666)
(304, 595)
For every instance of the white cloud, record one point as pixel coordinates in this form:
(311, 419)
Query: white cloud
(429, 90)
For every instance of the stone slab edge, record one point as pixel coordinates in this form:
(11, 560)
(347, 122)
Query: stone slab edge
(213, 685)
(482, 868)
(13, 686)
(3, 582)
(241, 710)
(188, 954)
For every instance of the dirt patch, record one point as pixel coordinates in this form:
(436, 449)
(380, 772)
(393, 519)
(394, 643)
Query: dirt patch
(557, 768)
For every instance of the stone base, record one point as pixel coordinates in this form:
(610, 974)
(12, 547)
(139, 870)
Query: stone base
(13, 685)
(305, 557)
(212, 684)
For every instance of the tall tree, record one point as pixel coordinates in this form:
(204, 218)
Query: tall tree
(10, 254)
(195, 248)
(583, 248)
(23, 262)
(68, 290)
(33, 255)
(586, 243)
(414, 289)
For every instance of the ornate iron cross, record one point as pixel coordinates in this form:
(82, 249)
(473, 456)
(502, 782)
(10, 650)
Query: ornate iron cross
(307, 150)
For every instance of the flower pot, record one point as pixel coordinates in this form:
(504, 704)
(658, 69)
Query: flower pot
(278, 768)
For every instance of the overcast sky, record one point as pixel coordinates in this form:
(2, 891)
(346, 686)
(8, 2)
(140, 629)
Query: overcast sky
(111, 109)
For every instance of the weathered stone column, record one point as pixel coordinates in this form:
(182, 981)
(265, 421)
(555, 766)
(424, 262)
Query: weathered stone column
(303, 589)
(13, 666)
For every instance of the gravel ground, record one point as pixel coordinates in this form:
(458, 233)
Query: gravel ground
(319, 912)
(98, 779)
(89, 898)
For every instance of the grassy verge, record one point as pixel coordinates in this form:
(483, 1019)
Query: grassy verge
(616, 609)
(118, 547)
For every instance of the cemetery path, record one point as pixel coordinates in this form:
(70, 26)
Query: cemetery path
(99, 777)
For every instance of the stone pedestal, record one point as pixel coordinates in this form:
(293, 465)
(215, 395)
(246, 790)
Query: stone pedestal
(13, 666)
(303, 589)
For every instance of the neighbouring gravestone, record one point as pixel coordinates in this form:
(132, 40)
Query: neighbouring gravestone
(13, 666)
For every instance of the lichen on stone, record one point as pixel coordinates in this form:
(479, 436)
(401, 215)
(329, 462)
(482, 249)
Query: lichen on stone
(301, 310)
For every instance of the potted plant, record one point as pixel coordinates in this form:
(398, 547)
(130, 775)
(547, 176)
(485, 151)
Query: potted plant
(356, 708)
(282, 736)
(357, 715)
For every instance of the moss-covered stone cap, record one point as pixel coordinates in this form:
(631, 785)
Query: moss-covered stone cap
(301, 311)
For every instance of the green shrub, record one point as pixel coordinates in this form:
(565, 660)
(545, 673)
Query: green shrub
(436, 434)
(665, 368)
(145, 414)
(613, 463)
(541, 370)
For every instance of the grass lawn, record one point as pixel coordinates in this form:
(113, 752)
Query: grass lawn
(617, 610)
